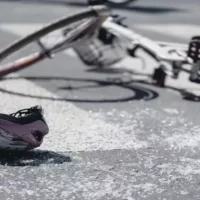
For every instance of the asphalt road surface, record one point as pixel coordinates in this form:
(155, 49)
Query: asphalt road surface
(108, 140)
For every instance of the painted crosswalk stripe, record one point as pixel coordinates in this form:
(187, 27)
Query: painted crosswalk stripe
(184, 31)
(23, 29)
(73, 129)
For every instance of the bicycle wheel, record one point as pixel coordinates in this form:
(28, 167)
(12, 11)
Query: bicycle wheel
(65, 33)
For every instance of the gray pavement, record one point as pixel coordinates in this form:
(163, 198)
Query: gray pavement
(118, 141)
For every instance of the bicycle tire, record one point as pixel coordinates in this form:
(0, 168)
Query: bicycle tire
(100, 12)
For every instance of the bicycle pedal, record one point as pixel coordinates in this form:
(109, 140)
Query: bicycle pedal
(159, 77)
(194, 49)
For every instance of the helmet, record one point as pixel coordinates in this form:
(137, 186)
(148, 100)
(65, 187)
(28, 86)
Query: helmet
(23, 130)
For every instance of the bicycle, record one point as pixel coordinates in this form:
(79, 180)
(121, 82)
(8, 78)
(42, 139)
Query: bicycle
(95, 32)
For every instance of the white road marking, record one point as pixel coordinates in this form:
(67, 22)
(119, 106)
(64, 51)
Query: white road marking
(173, 29)
(184, 31)
(21, 29)
(73, 129)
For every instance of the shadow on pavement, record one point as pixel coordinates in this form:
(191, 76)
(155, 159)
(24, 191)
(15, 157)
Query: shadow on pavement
(31, 158)
(115, 71)
(139, 92)
(188, 96)
(185, 93)
(130, 7)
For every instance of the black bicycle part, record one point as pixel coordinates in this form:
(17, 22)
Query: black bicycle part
(159, 76)
(194, 49)
(105, 36)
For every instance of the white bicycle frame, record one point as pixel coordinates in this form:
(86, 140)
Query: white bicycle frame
(162, 51)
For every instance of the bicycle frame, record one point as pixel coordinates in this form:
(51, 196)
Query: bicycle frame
(161, 51)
